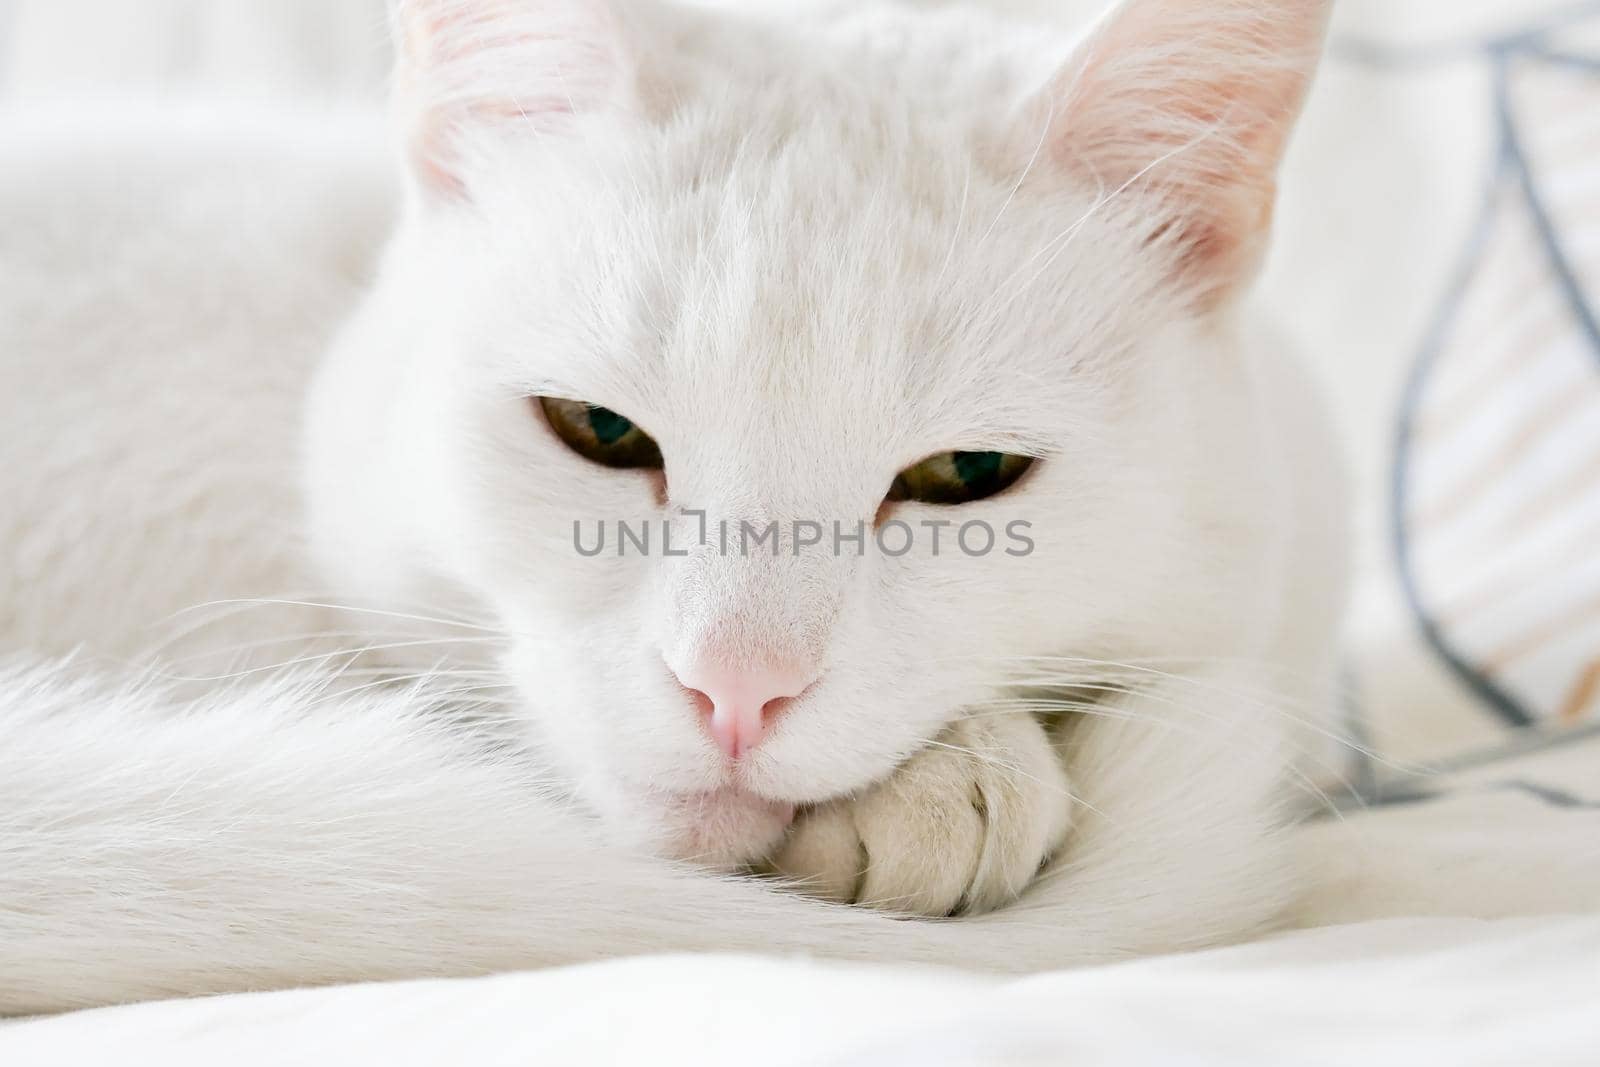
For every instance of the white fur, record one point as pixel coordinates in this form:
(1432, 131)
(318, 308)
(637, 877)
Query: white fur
(270, 837)
(804, 254)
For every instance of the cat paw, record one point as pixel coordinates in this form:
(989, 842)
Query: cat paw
(962, 827)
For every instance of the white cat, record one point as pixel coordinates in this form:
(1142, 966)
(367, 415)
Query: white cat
(862, 284)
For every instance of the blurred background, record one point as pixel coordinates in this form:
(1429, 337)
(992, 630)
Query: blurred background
(1438, 258)
(261, 49)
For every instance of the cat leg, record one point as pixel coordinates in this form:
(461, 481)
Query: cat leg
(1176, 792)
(962, 827)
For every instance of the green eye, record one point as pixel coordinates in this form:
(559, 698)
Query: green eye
(600, 434)
(959, 477)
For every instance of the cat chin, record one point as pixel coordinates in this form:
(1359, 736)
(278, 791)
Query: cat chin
(724, 828)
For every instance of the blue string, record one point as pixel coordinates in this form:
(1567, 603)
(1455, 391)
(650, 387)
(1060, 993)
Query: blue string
(1566, 276)
(1511, 164)
(1484, 687)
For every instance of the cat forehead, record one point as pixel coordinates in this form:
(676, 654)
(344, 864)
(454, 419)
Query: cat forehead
(815, 242)
(829, 248)
(819, 305)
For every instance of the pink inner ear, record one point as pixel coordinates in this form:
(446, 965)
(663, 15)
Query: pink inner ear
(470, 67)
(1193, 102)
(432, 142)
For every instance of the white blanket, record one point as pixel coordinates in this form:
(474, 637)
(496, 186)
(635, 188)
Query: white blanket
(1468, 932)
(1413, 991)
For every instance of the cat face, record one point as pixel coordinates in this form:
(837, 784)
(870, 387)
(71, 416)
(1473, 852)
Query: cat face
(785, 382)
(882, 363)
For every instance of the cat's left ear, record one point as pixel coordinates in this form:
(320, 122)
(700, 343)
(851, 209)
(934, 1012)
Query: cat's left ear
(474, 70)
(1186, 108)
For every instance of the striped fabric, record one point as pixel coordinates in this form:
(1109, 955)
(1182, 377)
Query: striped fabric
(1497, 476)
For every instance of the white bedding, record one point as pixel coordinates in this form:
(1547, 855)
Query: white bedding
(1465, 929)
(1415, 991)
(1452, 918)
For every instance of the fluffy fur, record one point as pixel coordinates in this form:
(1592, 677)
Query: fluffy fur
(272, 836)
(803, 253)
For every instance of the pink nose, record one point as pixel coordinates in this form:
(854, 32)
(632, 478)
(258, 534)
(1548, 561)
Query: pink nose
(742, 704)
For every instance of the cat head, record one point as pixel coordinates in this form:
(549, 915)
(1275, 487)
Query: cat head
(881, 335)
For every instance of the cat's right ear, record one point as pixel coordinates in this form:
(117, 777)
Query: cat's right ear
(473, 72)
(1185, 107)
